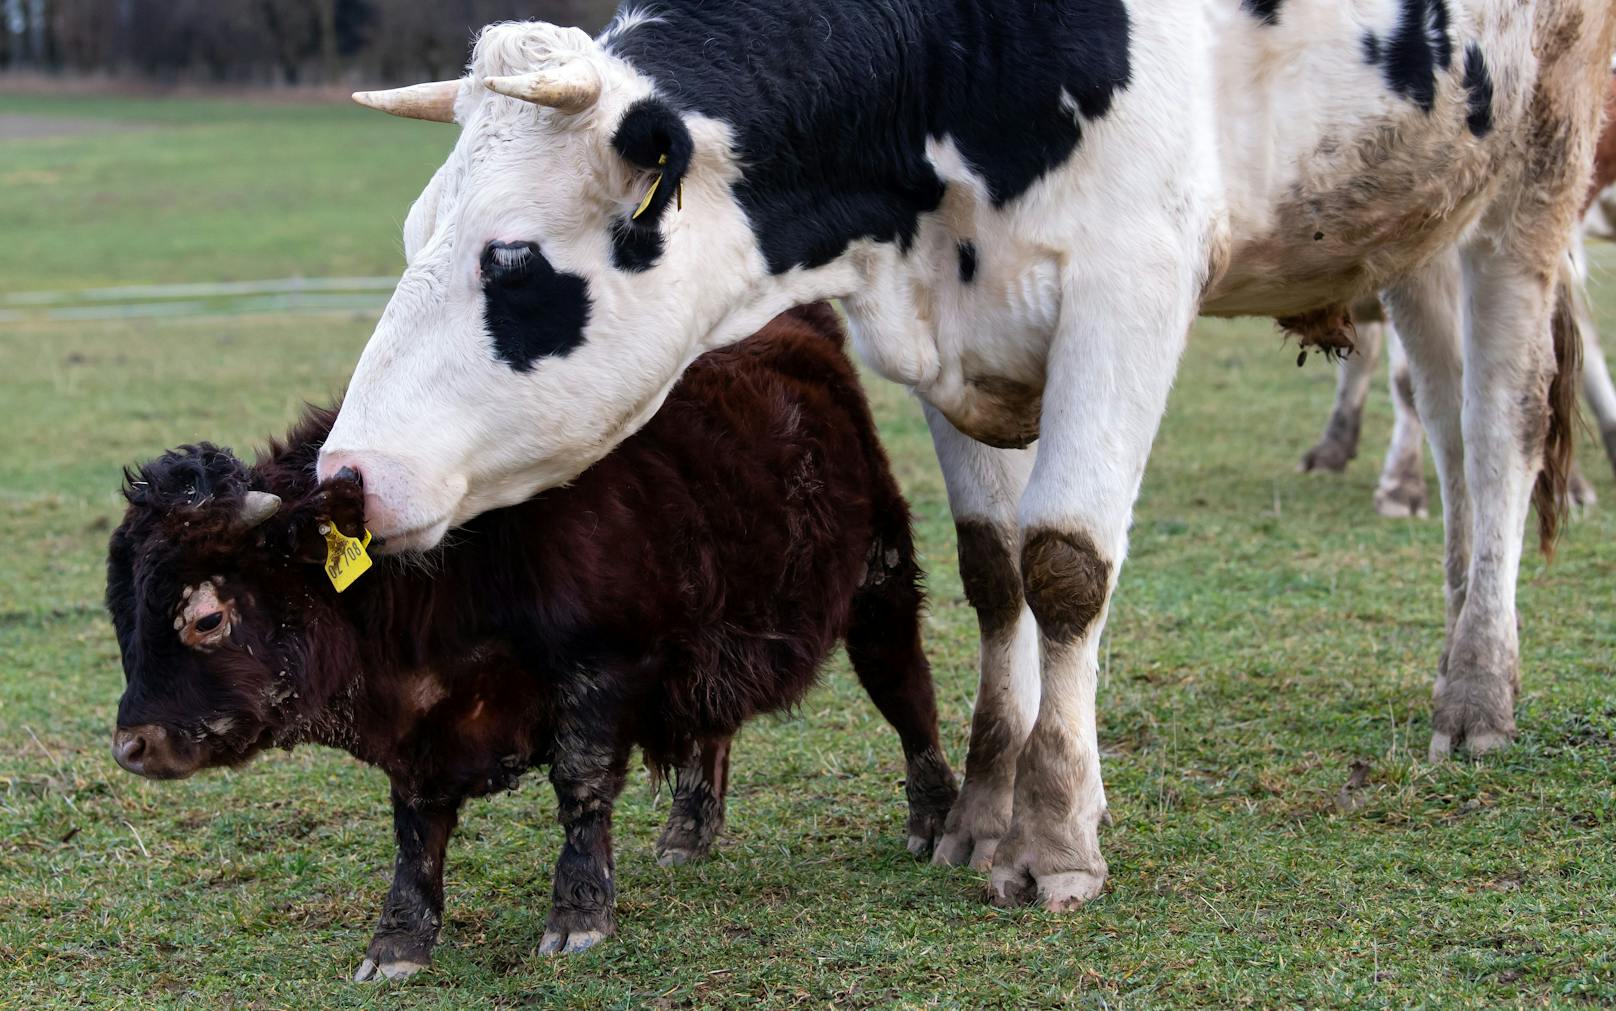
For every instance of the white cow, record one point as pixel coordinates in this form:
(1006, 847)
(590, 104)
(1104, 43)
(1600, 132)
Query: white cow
(1024, 204)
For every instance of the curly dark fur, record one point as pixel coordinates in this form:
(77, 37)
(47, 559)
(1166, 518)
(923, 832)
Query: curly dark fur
(698, 576)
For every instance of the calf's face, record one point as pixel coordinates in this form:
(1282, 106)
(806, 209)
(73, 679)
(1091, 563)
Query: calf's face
(210, 592)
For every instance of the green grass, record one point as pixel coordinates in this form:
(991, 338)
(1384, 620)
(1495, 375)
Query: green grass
(1269, 632)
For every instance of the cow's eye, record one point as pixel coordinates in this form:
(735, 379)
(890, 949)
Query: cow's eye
(508, 262)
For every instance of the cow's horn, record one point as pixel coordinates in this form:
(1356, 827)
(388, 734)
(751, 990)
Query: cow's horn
(432, 102)
(571, 87)
(258, 507)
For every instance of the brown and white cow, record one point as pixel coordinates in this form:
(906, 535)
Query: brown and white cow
(1401, 491)
(696, 577)
(1024, 205)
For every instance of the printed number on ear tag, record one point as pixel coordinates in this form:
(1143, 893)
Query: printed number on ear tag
(345, 557)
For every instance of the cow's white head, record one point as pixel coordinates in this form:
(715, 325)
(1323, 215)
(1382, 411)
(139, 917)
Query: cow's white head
(577, 250)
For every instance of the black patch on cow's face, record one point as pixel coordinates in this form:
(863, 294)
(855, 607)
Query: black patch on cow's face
(967, 262)
(650, 137)
(531, 310)
(1411, 57)
(832, 102)
(1478, 82)
(1266, 11)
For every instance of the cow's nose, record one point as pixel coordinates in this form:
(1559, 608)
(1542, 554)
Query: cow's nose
(129, 748)
(351, 474)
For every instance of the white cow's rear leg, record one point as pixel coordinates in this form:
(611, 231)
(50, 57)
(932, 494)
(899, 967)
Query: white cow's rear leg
(1401, 491)
(985, 486)
(1110, 368)
(1428, 312)
(1338, 446)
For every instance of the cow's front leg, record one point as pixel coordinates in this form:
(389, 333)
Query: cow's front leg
(1110, 369)
(985, 486)
(588, 772)
(410, 920)
(697, 814)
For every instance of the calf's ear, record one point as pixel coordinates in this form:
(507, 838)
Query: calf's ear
(335, 503)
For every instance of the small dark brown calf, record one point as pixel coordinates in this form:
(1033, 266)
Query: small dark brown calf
(698, 576)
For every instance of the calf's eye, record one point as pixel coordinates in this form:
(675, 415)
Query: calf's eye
(209, 622)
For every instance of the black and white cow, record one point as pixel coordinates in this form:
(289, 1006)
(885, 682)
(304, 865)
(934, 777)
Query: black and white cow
(1023, 205)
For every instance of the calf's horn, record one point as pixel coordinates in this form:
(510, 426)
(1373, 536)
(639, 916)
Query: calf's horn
(432, 102)
(258, 507)
(571, 87)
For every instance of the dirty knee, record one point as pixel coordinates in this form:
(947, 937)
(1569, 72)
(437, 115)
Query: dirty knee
(989, 574)
(1066, 581)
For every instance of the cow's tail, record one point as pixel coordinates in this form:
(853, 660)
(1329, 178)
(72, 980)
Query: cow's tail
(1552, 495)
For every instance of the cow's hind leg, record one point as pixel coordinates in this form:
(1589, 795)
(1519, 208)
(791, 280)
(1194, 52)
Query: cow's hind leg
(1597, 389)
(884, 647)
(1401, 492)
(1111, 366)
(985, 486)
(701, 784)
(408, 929)
(1354, 375)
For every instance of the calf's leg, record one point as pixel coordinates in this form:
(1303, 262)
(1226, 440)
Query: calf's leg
(413, 914)
(883, 645)
(700, 785)
(588, 772)
(984, 487)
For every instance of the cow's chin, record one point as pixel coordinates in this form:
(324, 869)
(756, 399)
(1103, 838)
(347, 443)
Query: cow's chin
(413, 541)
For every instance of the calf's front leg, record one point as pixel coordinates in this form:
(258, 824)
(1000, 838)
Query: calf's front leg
(413, 914)
(588, 773)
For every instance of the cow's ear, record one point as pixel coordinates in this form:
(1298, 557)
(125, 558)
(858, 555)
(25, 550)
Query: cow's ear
(651, 137)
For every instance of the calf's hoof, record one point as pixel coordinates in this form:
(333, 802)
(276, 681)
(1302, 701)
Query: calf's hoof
(575, 932)
(685, 840)
(932, 791)
(394, 956)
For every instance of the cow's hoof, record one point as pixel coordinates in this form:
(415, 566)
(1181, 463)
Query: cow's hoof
(1062, 893)
(399, 969)
(557, 943)
(1475, 714)
(971, 833)
(1402, 501)
(1329, 455)
(1581, 493)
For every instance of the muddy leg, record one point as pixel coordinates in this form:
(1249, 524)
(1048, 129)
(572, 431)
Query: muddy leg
(1354, 375)
(700, 785)
(1401, 492)
(984, 486)
(411, 918)
(587, 774)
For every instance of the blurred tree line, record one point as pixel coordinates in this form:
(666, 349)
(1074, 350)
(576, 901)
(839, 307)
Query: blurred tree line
(264, 41)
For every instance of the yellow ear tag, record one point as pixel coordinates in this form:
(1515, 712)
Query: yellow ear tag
(345, 557)
(650, 194)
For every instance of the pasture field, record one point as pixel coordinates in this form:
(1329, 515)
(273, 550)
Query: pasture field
(1270, 632)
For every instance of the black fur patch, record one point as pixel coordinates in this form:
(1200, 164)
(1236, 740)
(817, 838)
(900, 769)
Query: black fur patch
(1415, 52)
(1266, 11)
(1478, 82)
(531, 310)
(832, 101)
(967, 257)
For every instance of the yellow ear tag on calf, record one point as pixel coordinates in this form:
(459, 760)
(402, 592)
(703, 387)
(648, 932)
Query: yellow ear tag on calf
(650, 194)
(345, 557)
